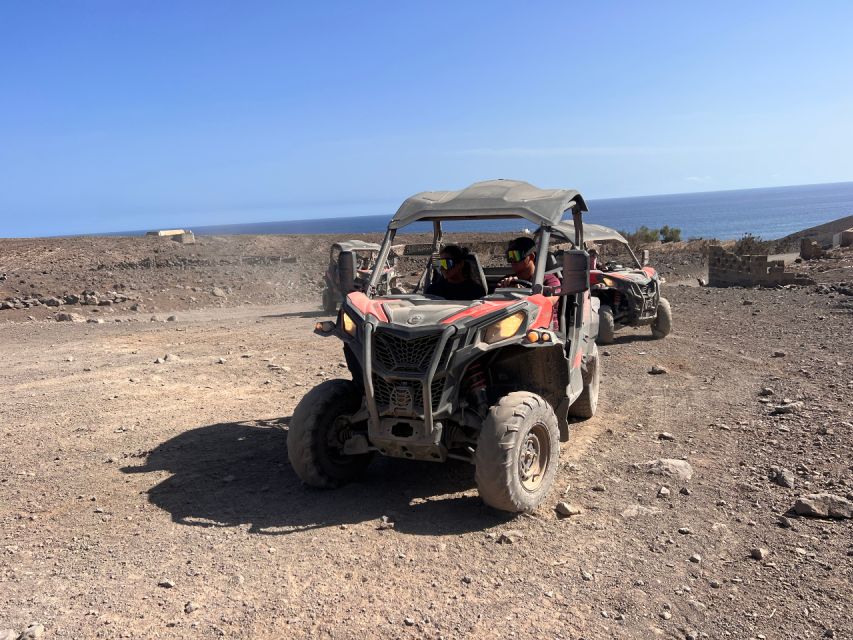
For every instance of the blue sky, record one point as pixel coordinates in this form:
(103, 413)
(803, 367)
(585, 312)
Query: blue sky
(134, 115)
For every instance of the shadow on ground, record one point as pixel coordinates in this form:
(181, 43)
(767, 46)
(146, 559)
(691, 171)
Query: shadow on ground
(300, 314)
(233, 474)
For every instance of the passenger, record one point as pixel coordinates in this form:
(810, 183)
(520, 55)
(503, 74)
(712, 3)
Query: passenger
(456, 281)
(521, 254)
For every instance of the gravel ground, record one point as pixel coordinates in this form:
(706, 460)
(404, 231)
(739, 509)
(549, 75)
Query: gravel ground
(154, 500)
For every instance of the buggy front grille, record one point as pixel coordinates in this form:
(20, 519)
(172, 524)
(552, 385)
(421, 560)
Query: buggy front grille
(405, 355)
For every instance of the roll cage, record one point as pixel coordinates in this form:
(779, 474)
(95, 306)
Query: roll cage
(492, 199)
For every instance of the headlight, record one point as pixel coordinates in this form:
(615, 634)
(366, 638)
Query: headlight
(349, 323)
(608, 282)
(503, 329)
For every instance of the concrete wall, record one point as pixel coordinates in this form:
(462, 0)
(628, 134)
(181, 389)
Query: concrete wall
(726, 269)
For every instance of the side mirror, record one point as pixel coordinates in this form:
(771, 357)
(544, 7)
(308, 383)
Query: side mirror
(645, 257)
(575, 272)
(324, 328)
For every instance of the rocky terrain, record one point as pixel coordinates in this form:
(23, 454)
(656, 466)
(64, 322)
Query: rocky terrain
(145, 490)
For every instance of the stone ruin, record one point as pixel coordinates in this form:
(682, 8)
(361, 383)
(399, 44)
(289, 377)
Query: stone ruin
(178, 235)
(810, 250)
(727, 269)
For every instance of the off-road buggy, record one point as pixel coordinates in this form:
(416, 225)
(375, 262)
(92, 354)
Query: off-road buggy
(350, 267)
(628, 289)
(492, 381)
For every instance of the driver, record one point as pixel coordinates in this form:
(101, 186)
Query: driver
(521, 255)
(456, 281)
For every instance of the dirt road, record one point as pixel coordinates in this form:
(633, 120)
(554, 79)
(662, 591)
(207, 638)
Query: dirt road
(145, 500)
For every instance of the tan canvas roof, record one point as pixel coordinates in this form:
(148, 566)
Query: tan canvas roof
(490, 199)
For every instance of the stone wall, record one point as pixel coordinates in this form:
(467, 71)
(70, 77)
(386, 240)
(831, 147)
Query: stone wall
(726, 269)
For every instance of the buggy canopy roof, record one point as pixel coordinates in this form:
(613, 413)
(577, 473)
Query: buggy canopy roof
(490, 199)
(356, 245)
(591, 232)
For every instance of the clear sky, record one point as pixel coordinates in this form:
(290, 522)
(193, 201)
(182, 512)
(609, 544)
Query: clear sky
(134, 115)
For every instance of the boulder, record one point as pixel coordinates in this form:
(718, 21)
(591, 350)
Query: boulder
(824, 505)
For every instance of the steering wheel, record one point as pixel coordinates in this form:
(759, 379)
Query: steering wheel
(520, 283)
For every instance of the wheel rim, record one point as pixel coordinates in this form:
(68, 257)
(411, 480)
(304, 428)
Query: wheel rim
(534, 457)
(337, 434)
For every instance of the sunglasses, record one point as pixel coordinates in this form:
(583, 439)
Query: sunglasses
(445, 263)
(516, 255)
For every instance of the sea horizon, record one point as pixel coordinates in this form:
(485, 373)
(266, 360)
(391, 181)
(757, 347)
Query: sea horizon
(766, 212)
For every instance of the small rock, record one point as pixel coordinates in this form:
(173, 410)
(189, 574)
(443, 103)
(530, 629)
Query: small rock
(790, 407)
(95, 321)
(666, 435)
(467, 579)
(385, 523)
(171, 319)
(218, 293)
(586, 576)
(759, 553)
(766, 391)
(190, 606)
(159, 361)
(33, 632)
(171, 357)
(599, 487)
(566, 510)
(782, 477)
(680, 469)
(221, 361)
(664, 492)
(166, 584)
(657, 370)
(409, 622)
(65, 316)
(784, 522)
(684, 491)
(637, 510)
(824, 505)
(748, 303)
(666, 615)
(510, 537)
(685, 531)
(779, 354)
(715, 584)
(696, 558)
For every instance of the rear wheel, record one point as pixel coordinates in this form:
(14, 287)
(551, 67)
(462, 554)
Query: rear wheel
(317, 433)
(517, 453)
(330, 305)
(587, 402)
(663, 322)
(606, 325)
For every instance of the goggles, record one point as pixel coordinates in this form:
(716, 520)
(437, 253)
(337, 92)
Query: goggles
(445, 263)
(517, 255)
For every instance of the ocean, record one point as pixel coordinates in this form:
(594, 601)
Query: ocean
(769, 213)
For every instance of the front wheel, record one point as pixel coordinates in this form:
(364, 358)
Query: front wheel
(318, 430)
(663, 322)
(587, 402)
(517, 453)
(606, 325)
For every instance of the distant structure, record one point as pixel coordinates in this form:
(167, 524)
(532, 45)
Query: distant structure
(846, 239)
(178, 235)
(810, 250)
(726, 269)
